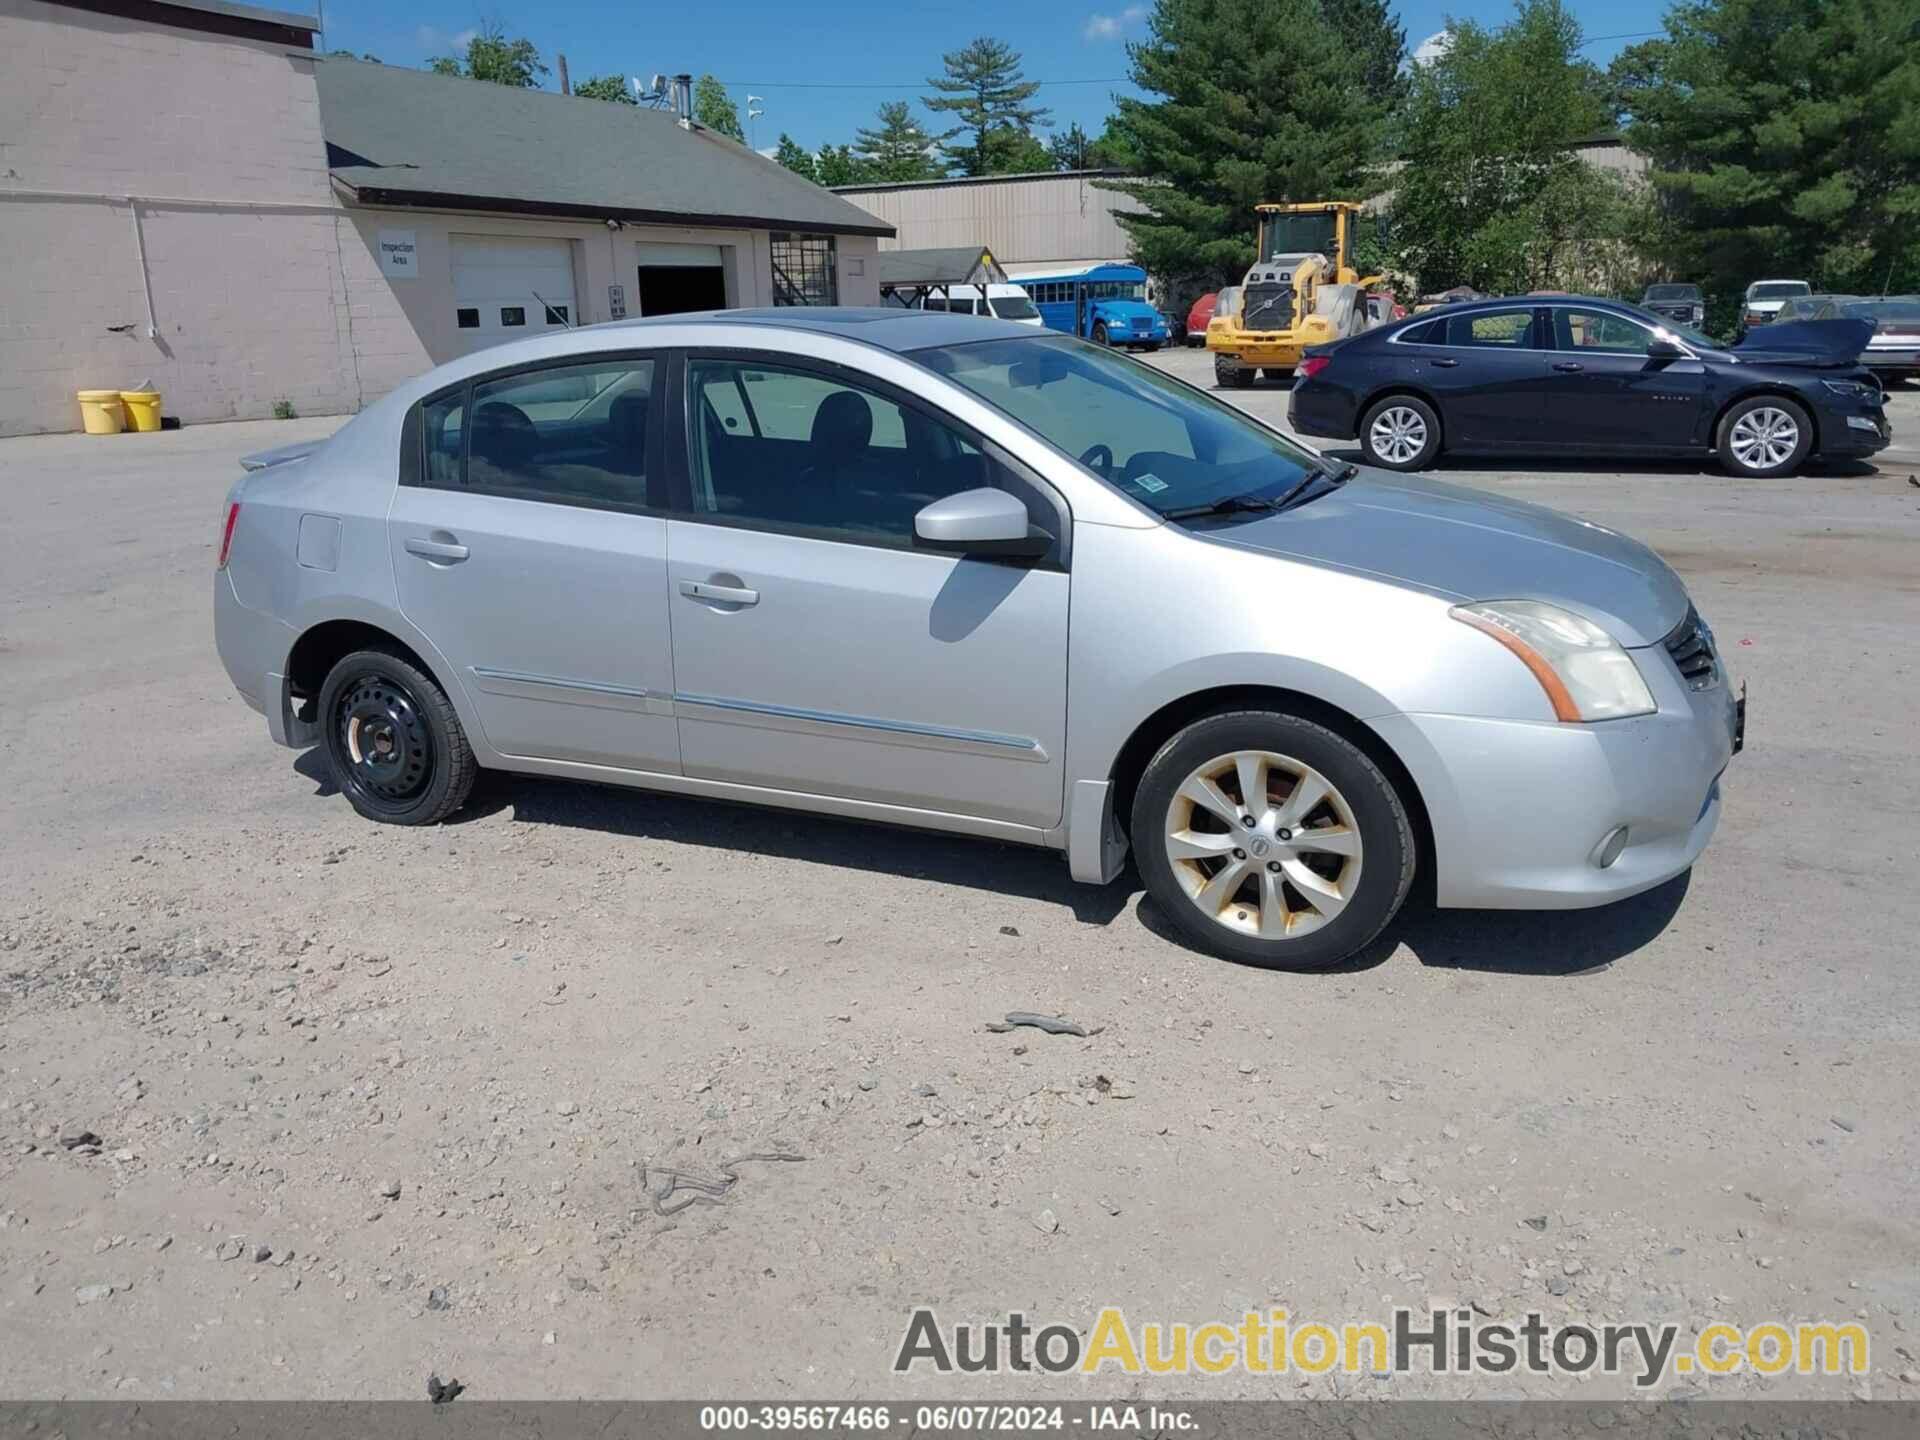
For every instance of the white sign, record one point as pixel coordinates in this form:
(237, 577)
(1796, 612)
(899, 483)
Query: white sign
(617, 302)
(398, 257)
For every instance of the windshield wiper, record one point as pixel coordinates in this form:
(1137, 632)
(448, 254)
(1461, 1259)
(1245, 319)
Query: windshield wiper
(1226, 506)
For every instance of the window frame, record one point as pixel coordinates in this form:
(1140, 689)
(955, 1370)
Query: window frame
(679, 494)
(1541, 317)
(413, 434)
(1553, 330)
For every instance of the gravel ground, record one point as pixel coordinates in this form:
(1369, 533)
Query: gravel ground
(296, 1106)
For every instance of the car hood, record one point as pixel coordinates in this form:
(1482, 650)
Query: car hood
(1818, 343)
(1461, 544)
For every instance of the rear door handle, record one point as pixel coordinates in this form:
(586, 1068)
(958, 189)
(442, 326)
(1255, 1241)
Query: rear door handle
(1445, 364)
(1568, 367)
(719, 594)
(435, 549)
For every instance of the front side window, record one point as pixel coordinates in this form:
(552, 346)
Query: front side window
(1592, 330)
(576, 434)
(807, 452)
(1163, 443)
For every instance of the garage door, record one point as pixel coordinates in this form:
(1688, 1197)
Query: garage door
(507, 288)
(676, 279)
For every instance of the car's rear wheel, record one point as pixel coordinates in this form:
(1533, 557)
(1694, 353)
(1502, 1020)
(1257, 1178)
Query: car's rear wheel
(1401, 432)
(1765, 436)
(1270, 840)
(393, 741)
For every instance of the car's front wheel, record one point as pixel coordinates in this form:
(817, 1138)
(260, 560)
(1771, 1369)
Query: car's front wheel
(1230, 374)
(1765, 436)
(1271, 840)
(1100, 334)
(1401, 432)
(395, 745)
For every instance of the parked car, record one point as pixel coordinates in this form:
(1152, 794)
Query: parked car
(1681, 302)
(1591, 377)
(1894, 351)
(945, 572)
(1812, 307)
(1198, 317)
(1003, 301)
(1765, 297)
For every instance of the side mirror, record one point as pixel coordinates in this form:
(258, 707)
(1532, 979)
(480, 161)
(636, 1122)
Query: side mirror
(985, 522)
(1660, 349)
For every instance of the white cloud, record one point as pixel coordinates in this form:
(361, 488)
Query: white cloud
(435, 41)
(1431, 48)
(1111, 27)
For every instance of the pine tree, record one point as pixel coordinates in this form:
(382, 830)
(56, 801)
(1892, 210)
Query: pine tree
(1379, 39)
(984, 88)
(1258, 100)
(837, 165)
(713, 108)
(1785, 136)
(790, 154)
(898, 148)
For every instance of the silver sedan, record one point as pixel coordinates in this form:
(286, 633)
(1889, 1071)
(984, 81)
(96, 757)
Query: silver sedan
(955, 573)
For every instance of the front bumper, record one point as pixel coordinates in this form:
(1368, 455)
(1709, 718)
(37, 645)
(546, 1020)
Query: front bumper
(1253, 353)
(1854, 433)
(1521, 811)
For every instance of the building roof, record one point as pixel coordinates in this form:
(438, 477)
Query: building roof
(956, 180)
(943, 265)
(413, 138)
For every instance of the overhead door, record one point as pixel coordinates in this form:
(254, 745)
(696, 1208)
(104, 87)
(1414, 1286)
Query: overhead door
(508, 287)
(675, 279)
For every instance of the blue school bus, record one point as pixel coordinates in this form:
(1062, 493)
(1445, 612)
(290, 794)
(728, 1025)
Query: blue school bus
(1104, 303)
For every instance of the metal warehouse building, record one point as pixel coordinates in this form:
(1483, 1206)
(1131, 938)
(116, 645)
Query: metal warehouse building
(190, 195)
(1054, 220)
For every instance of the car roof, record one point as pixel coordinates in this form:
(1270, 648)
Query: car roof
(889, 327)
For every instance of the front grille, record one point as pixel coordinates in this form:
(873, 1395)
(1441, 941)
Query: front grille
(1691, 646)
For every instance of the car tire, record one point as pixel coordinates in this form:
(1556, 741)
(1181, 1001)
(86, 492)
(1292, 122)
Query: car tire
(1325, 901)
(396, 748)
(1764, 436)
(1152, 345)
(1229, 376)
(1400, 432)
(1100, 334)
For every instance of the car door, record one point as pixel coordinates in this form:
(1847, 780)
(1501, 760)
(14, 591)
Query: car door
(1489, 371)
(816, 649)
(525, 548)
(1609, 394)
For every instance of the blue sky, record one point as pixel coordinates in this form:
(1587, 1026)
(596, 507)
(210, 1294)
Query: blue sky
(822, 69)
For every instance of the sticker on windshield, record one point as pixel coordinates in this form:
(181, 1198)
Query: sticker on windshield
(1152, 484)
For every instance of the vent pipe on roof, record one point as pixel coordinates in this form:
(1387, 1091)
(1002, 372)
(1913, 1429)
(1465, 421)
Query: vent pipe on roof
(683, 100)
(565, 88)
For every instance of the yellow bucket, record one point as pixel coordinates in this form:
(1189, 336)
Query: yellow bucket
(101, 412)
(143, 409)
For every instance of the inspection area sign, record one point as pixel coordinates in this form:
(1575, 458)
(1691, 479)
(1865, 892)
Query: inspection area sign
(399, 259)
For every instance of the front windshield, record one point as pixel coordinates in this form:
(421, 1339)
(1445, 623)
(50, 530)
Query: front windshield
(1163, 443)
(1013, 307)
(1673, 292)
(1308, 234)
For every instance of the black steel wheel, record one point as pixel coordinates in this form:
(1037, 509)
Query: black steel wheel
(393, 741)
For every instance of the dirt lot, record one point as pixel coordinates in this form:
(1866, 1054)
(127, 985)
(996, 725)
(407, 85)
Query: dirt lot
(374, 1102)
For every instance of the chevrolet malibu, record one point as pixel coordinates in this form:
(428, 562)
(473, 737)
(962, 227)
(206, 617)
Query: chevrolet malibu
(957, 574)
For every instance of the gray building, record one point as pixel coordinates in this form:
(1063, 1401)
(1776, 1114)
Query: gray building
(1029, 222)
(191, 195)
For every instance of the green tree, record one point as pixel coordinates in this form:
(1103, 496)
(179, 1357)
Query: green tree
(349, 55)
(1070, 148)
(491, 56)
(1258, 100)
(1012, 151)
(898, 147)
(1378, 39)
(837, 165)
(607, 87)
(714, 108)
(1785, 139)
(791, 154)
(1493, 193)
(984, 89)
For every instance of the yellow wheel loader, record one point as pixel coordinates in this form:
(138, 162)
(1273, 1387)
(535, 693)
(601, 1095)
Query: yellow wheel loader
(1302, 290)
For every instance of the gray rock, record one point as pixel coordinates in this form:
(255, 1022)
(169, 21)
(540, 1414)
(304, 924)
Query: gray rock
(437, 1298)
(566, 1107)
(87, 1294)
(1046, 1222)
(1535, 1222)
(390, 1190)
(262, 1253)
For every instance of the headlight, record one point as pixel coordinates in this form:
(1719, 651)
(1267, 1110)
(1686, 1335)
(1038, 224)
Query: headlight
(1586, 675)
(1857, 389)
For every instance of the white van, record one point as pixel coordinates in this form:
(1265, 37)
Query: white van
(1004, 302)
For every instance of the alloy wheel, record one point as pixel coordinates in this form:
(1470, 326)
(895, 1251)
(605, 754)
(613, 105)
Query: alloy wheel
(1398, 433)
(1764, 437)
(1263, 844)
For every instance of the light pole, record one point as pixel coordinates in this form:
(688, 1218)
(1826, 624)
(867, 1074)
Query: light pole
(754, 112)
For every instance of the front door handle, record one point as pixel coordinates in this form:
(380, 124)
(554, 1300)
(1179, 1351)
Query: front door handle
(1568, 367)
(435, 549)
(1445, 364)
(719, 594)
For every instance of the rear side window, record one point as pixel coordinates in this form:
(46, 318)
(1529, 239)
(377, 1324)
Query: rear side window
(1427, 334)
(574, 434)
(1504, 329)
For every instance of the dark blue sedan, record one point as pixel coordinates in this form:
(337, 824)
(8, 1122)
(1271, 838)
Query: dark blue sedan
(1568, 375)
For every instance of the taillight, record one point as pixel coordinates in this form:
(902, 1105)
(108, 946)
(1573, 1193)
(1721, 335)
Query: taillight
(1312, 366)
(226, 535)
